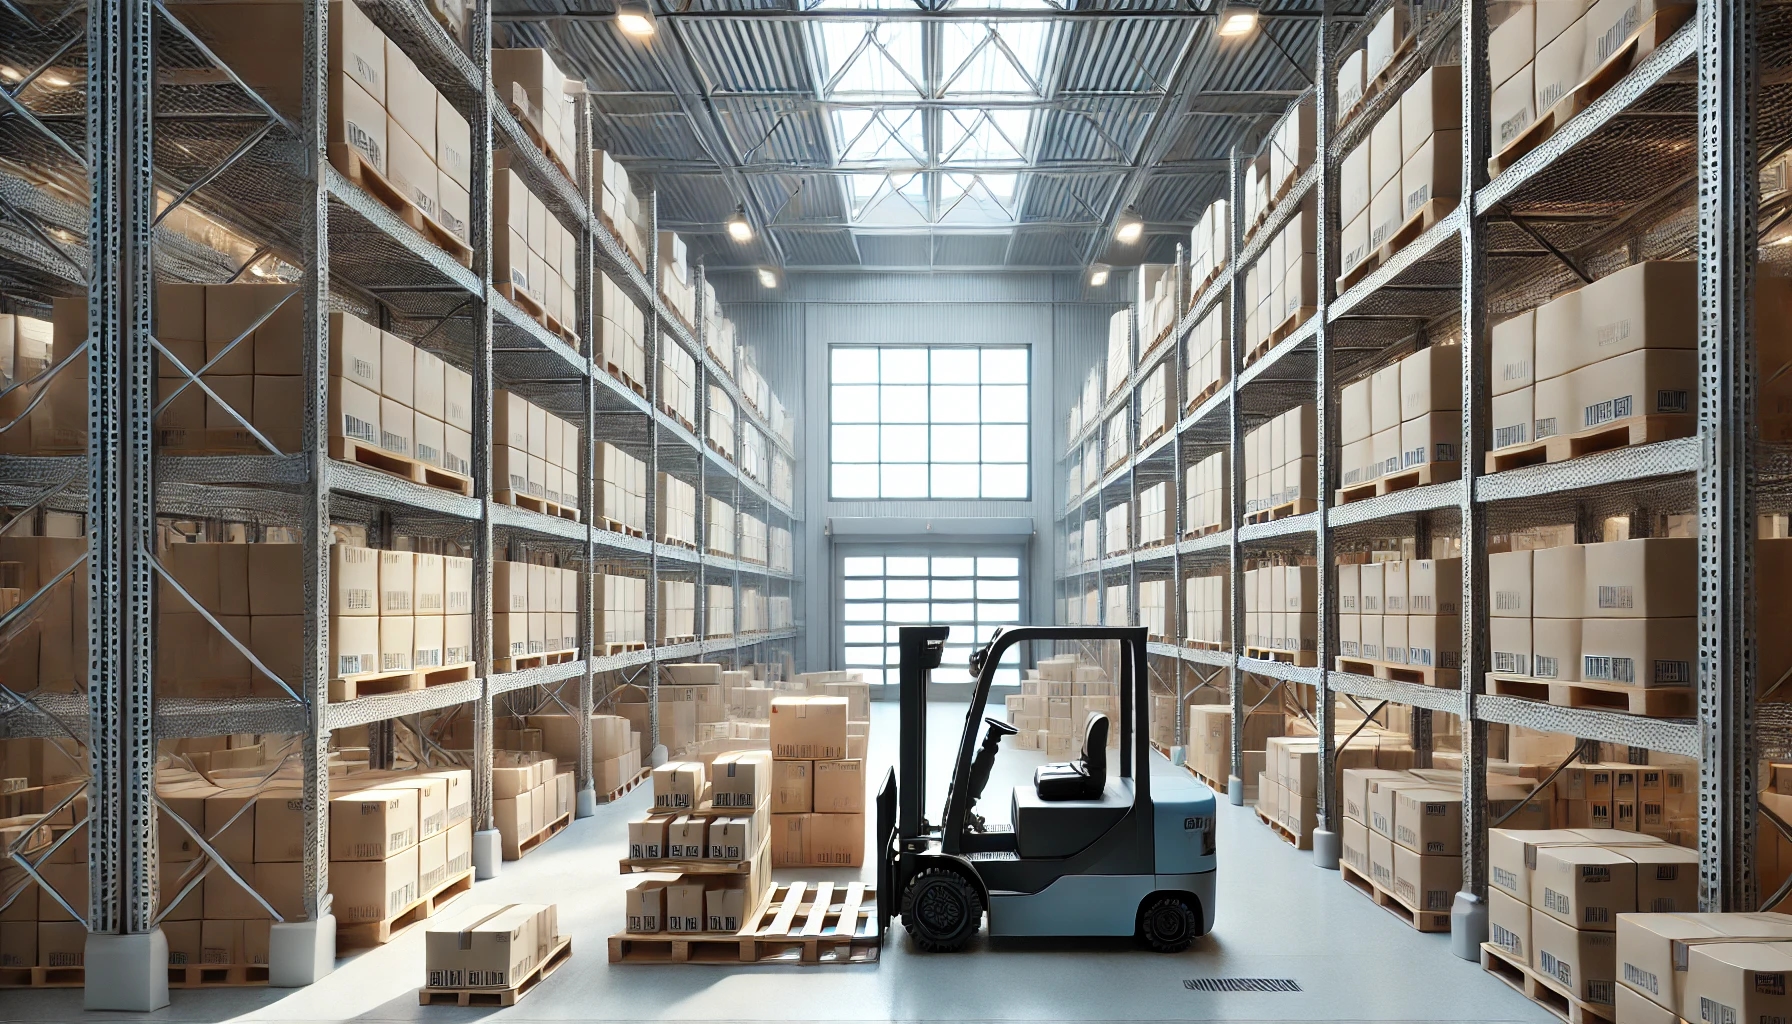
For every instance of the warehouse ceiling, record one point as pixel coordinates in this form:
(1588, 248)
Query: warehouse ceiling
(944, 134)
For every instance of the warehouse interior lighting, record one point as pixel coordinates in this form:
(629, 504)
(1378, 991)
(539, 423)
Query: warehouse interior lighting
(635, 18)
(738, 228)
(768, 278)
(1098, 275)
(9, 73)
(1130, 227)
(55, 80)
(1237, 19)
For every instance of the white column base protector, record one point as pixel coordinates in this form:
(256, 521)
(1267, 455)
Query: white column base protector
(1178, 756)
(301, 952)
(488, 853)
(586, 804)
(1468, 926)
(660, 756)
(1235, 790)
(1327, 848)
(126, 972)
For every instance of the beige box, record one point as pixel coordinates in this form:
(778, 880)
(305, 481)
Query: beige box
(355, 350)
(1512, 43)
(805, 728)
(679, 785)
(1385, 452)
(1429, 821)
(493, 946)
(510, 420)
(454, 144)
(1639, 652)
(1426, 882)
(1433, 172)
(1557, 70)
(1385, 214)
(373, 890)
(398, 582)
(1386, 154)
(1509, 640)
(647, 837)
(372, 824)
(1354, 186)
(687, 838)
(1430, 381)
(1433, 439)
(457, 451)
(411, 168)
(1512, 414)
(1354, 241)
(1381, 860)
(1649, 305)
(1509, 924)
(354, 645)
(1584, 887)
(839, 786)
(397, 635)
(1513, 355)
(646, 906)
(396, 427)
(1653, 577)
(398, 373)
(1645, 383)
(1583, 961)
(1509, 575)
(1433, 104)
(410, 100)
(1558, 584)
(793, 787)
(1652, 948)
(1513, 107)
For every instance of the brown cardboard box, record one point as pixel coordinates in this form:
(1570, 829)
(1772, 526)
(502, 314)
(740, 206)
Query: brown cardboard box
(279, 826)
(183, 943)
(1434, 641)
(835, 840)
(61, 944)
(1666, 878)
(1512, 43)
(687, 838)
(1634, 1008)
(373, 890)
(647, 837)
(411, 169)
(1514, 352)
(1558, 576)
(684, 906)
(1513, 415)
(1386, 154)
(354, 412)
(355, 350)
(1431, 105)
(1585, 886)
(487, 947)
(1639, 652)
(1510, 642)
(1433, 439)
(1428, 821)
(1381, 802)
(1381, 861)
(1649, 382)
(372, 824)
(1513, 107)
(793, 787)
(354, 645)
(678, 785)
(741, 778)
(1427, 883)
(1653, 577)
(1509, 924)
(1384, 454)
(1433, 172)
(839, 787)
(1354, 184)
(1384, 211)
(724, 909)
(1372, 637)
(1650, 305)
(1743, 981)
(1509, 581)
(1354, 846)
(1585, 962)
(1394, 639)
(396, 636)
(734, 839)
(1558, 71)
(1430, 381)
(1355, 790)
(1652, 948)
(808, 728)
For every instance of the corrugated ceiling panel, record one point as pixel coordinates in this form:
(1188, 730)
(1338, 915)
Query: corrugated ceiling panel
(1069, 197)
(694, 199)
(1178, 198)
(818, 248)
(1120, 55)
(877, 250)
(651, 137)
(596, 51)
(795, 198)
(1108, 130)
(1054, 248)
(750, 56)
(776, 131)
(970, 250)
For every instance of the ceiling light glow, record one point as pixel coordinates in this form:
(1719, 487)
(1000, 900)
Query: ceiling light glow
(635, 18)
(738, 227)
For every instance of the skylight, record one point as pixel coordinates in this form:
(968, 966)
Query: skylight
(972, 135)
(872, 59)
(892, 136)
(988, 59)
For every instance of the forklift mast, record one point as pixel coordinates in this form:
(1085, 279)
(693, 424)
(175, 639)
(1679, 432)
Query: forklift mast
(921, 648)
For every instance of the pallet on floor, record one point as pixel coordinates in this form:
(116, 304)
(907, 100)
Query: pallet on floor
(561, 953)
(534, 661)
(529, 844)
(802, 923)
(1419, 920)
(1546, 992)
(43, 977)
(1299, 842)
(380, 189)
(1625, 433)
(372, 456)
(1642, 701)
(1422, 675)
(620, 791)
(348, 688)
(536, 504)
(218, 976)
(377, 933)
(675, 948)
(1287, 509)
(1299, 659)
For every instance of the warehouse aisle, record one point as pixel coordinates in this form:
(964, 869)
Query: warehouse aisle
(1279, 918)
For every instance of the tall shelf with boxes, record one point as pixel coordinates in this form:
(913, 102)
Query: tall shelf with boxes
(1482, 479)
(310, 372)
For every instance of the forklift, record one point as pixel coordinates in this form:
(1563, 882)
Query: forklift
(1086, 854)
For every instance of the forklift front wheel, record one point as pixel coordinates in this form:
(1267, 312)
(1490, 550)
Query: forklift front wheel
(1168, 923)
(941, 910)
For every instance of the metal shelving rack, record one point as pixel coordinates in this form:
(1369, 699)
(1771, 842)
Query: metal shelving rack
(1488, 259)
(342, 251)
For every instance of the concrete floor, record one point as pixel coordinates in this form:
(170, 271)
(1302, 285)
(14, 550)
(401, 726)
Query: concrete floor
(1279, 917)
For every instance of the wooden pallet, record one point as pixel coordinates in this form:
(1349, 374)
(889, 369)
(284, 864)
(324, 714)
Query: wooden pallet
(1624, 59)
(617, 372)
(1625, 433)
(529, 845)
(1207, 392)
(218, 976)
(614, 526)
(1290, 324)
(1418, 920)
(621, 243)
(1203, 645)
(538, 312)
(534, 661)
(43, 977)
(1544, 991)
(1437, 678)
(611, 649)
(675, 948)
(1300, 506)
(1298, 842)
(377, 933)
(525, 114)
(352, 687)
(620, 791)
(374, 457)
(1302, 659)
(1406, 479)
(1409, 229)
(561, 953)
(1643, 701)
(800, 922)
(1258, 352)
(688, 638)
(380, 189)
(535, 504)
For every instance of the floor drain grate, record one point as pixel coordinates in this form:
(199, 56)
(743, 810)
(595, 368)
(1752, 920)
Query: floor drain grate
(1241, 985)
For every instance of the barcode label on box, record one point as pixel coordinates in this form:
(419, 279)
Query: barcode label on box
(1671, 401)
(1608, 669)
(1506, 939)
(1641, 980)
(1713, 1012)
(1600, 992)
(1546, 427)
(1511, 662)
(428, 658)
(398, 601)
(1506, 437)
(1617, 597)
(1672, 671)
(348, 664)
(359, 429)
(1508, 600)
(1555, 902)
(1520, 370)
(1596, 915)
(1555, 968)
(1545, 667)
(1607, 411)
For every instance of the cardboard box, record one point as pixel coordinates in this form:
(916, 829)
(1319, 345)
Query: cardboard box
(733, 839)
(1557, 70)
(376, 889)
(793, 787)
(1385, 211)
(1385, 452)
(839, 786)
(61, 944)
(411, 168)
(1509, 583)
(1427, 883)
(1354, 185)
(1652, 948)
(1433, 439)
(1509, 924)
(808, 728)
(647, 837)
(488, 946)
(1650, 305)
(687, 838)
(1428, 821)
(1558, 581)
(1381, 860)
(1583, 886)
(1513, 107)
(1386, 154)
(1513, 414)
(1513, 346)
(834, 840)
(1583, 961)
(1432, 172)
(279, 826)
(1653, 577)
(684, 906)
(678, 785)
(646, 902)
(725, 909)
(1512, 43)
(1639, 652)
(1509, 639)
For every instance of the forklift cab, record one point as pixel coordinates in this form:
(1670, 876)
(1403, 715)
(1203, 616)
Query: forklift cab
(1096, 846)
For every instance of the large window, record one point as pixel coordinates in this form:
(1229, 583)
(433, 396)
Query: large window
(974, 593)
(929, 422)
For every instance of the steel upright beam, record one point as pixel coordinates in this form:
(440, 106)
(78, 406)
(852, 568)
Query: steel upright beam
(1235, 436)
(125, 952)
(1729, 74)
(1327, 839)
(487, 847)
(586, 292)
(1468, 918)
(1173, 605)
(657, 752)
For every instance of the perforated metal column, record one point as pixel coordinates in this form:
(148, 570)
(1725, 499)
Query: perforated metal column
(480, 222)
(1235, 461)
(1331, 817)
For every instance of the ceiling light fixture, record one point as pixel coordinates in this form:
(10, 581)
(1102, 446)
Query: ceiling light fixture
(1098, 275)
(9, 73)
(768, 278)
(54, 80)
(1237, 18)
(738, 227)
(1130, 227)
(635, 17)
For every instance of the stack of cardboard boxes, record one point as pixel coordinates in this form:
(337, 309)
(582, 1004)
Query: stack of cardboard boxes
(720, 427)
(751, 614)
(678, 285)
(1207, 488)
(676, 621)
(818, 792)
(713, 822)
(1054, 704)
(529, 79)
(678, 380)
(1210, 245)
(677, 519)
(1208, 728)
(753, 451)
(779, 612)
(783, 483)
(1411, 158)
(718, 330)
(1119, 363)
(529, 797)
(1281, 462)
(34, 929)
(1362, 66)
(1288, 788)
(719, 528)
(532, 251)
(752, 539)
(1156, 303)
(621, 609)
(621, 489)
(622, 211)
(1154, 599)
(1209, 353)
(534, 452)
(1404, 417)
(615, 747)
(780, 555)
(1556, 897)
(1687, 966)
(621, 347)
(1281, 608)
(718, 610)
(1281, 288)
(1117, 535)
(491, 947)
(1403, 612)
(534, 609)
(48, 653)
(1208, 602)
(1157, 521)
(1117, 604)
(1117, 439)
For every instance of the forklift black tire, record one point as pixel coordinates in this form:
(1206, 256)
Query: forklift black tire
(1168, 923)
(941, 909)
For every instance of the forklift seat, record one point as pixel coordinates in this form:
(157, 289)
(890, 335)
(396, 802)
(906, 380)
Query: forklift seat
(1065, 828)
(1083, 779)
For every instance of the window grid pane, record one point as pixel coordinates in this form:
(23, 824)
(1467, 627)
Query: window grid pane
(930, 422)
(972, 594)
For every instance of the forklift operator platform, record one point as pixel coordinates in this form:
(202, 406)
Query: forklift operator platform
(1089, 851)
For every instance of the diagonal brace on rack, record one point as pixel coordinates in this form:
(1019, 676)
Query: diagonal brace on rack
(212, 860)
(250, 142)
(196, 377)
(24, 113)
(212, 58)
(36, 230)
(206, 614)
(1785, 831)
(42, 379)
(1542, 787)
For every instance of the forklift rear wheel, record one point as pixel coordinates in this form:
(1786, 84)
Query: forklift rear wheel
(1168, 924)
(941, 910)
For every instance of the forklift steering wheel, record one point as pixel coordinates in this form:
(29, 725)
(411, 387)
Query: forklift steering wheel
(999, 727)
